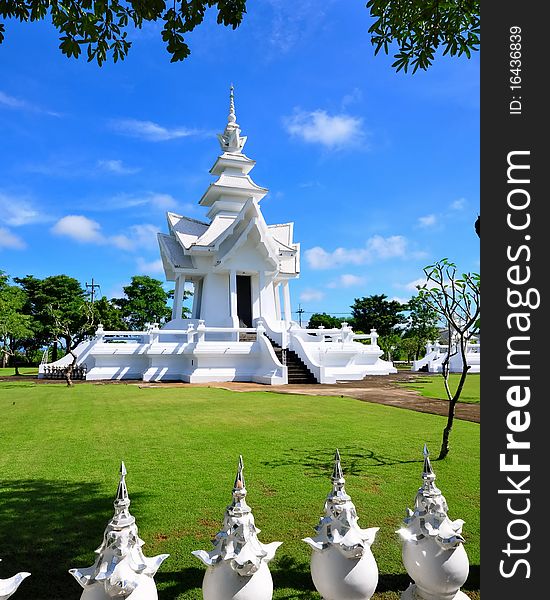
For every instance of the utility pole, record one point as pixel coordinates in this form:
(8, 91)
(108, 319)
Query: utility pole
(92, 286)
(300, 312)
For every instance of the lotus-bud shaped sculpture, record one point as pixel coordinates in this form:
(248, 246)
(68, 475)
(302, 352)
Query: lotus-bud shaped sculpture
(9, 586)
(120, 569)
(433, 546)
(237, 566)
(342, 564)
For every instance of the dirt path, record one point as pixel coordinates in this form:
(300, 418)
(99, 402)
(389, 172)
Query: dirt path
(382, 389)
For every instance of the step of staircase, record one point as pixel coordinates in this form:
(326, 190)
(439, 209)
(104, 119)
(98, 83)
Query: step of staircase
(296, 368)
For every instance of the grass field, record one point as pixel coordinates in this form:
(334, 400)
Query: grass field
(60, 451)
(431, 386)
(6, 372)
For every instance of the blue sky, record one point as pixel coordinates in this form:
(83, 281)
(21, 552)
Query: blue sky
(378, 170)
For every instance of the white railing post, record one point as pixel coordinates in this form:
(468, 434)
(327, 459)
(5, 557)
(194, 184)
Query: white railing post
(201, 329)
(374, 339)
(260, 329)
(153, 333)
(190, 333)
(321, 334)
(99, 333)
(347, 333)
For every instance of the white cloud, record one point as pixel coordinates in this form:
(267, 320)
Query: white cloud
(16, 211)
(10, 240)
(141, 236)
(400, 300)
(123, 201)
(116, 167)
(346, 280)
(355, 96)
(18, 104)
(150, 268)
(311, 295)
(291, 23)
(412, 285)
(376, 247)
(163, 201)
(80, 229)
(427, 221)
(459, 204)
(85, 230)
(331, 131)
(150, 131)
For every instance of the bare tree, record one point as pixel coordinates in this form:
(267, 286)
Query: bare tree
(457, 301)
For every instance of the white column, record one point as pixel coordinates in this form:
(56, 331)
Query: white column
(286, 302)
(178, 297)
(261, 284)
(277, 301)
(233, 297)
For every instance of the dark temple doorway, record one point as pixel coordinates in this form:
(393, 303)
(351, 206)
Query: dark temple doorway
(244, 300)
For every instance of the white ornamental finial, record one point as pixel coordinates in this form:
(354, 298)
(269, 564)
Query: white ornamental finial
(9, 586)
(232, 118)
(120, 569)
(433, 551)
(237, 565)
(231, 140)
(342, 564)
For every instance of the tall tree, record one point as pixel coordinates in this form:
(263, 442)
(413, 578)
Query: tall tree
(15, 326)
(377, 312)
(422, 323)
(58, 304)
(108, 314)
(327, 321)
(418, 27)
(145, 302)
(457, 300)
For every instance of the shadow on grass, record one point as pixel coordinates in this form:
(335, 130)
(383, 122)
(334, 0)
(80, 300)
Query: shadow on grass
(173, 583)
(48, 527)
(320, 463)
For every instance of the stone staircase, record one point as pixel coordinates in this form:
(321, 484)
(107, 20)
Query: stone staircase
(297, 369)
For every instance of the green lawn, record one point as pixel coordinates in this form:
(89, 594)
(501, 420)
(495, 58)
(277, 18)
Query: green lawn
(60, 451)
(431, 386)
(6, 372)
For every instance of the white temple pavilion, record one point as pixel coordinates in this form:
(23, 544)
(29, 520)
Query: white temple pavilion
(241, 326)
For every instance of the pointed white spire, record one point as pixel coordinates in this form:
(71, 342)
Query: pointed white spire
(232, 117)
(239, 506)
(339, 525)
(120, 567)
(231, 140)
(237, 547)
(122, 516)
(429, 517)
